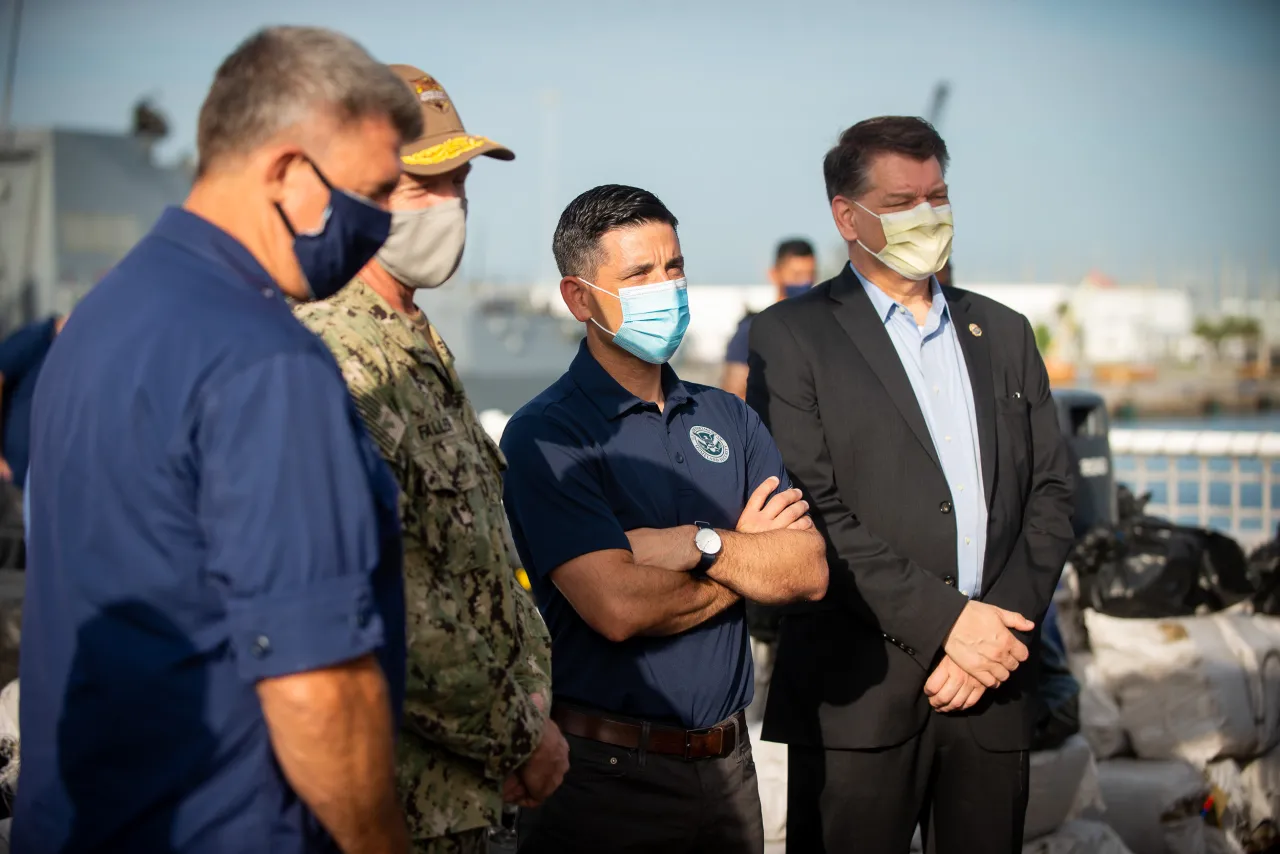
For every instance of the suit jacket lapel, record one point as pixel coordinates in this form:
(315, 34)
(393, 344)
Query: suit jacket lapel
(854, 311)
(977, 356)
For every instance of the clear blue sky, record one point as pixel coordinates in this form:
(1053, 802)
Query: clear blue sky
(1135, 136)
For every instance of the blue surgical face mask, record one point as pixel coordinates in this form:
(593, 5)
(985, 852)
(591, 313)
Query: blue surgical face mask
(789, 291)
(351, 233)
(654, 319)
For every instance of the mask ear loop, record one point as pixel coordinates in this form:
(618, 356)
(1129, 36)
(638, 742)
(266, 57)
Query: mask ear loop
(603, 291)
(293, 232)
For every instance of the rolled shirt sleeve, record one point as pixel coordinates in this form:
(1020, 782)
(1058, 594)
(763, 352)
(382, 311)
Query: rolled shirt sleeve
(287, 508)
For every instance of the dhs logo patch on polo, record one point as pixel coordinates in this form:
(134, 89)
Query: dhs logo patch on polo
(708, 443)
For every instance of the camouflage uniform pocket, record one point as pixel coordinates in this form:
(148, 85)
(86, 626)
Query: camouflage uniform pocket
(455, 523)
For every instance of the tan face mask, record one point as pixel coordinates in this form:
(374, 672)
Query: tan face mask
(917, 242)
(425, 246)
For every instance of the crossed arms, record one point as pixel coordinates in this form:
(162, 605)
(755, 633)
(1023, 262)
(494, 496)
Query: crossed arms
(773, 556)
(626, 584)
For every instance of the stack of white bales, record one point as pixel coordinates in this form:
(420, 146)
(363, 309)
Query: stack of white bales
(1196, 701)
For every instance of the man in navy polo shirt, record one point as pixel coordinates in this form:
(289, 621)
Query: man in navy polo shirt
(213, 638)
(646, 510)
(21, 355)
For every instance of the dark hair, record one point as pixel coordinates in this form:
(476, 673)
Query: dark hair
(845, 166)
(795, 247)
(594, 214)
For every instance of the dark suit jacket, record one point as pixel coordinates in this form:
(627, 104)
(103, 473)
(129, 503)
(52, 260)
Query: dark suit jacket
(825, 377)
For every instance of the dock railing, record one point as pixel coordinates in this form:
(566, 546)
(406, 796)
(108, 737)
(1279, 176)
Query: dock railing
(1229, 481)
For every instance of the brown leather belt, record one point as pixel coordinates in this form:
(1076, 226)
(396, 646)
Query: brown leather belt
(713, 742)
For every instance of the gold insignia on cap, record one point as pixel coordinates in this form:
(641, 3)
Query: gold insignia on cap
(428, 90)
(446, 150)
(976, 330)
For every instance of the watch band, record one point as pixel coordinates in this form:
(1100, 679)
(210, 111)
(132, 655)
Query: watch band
(705, 561)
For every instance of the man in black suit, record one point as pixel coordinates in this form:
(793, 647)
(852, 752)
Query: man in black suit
(917, 419)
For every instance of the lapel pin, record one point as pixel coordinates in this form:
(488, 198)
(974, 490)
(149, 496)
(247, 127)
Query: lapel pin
(976, 330)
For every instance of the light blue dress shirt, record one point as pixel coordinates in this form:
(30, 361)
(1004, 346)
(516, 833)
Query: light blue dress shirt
(934, 362)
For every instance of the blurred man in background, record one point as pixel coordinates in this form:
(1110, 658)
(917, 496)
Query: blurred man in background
(213, 646)
(793, 272)
(479, 654)
(21, 356)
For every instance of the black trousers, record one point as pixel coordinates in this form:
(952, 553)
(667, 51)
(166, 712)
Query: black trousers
(618, 801)
(967, 800)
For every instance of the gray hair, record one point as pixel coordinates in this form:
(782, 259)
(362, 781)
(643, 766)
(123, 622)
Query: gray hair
(281, 76)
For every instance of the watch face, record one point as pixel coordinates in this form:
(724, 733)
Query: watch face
(707, 541)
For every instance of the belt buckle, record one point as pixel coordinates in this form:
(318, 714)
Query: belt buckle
(688, 744)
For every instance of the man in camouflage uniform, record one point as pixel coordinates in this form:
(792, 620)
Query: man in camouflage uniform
(476, 729)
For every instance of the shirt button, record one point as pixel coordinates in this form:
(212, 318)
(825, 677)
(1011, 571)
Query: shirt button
(266, 292)
(966, 541)
(936, 389)
(261, 646)
(962, 488)
(679, 457)
(945, 507)
(948, 438)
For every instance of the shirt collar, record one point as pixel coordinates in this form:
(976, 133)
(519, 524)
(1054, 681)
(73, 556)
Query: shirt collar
(608, 395)
(885, 305)
(197, 235)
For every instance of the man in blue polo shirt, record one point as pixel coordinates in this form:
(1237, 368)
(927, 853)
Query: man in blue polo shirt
(794, 268)
(21, 355)
(646, 509)
(213, 640)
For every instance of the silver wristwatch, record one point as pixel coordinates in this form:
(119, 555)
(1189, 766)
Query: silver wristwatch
(709, 545)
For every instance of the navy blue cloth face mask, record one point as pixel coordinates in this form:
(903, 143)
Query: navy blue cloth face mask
(789, 291)
(352, 232)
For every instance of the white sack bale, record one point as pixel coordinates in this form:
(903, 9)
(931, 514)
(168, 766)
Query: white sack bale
(1247, 796)
(10, 741)
(1193, 688)
(771, 777)
(1155, 805)
(1063, 785)
(1100, 722)
(1078, 837)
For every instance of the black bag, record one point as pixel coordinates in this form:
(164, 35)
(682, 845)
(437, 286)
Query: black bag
(1152, 568)
(1264, 567)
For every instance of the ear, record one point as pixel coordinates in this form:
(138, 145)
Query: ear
(843, 212)
(574, 294)
(773, 277)
(276, 164)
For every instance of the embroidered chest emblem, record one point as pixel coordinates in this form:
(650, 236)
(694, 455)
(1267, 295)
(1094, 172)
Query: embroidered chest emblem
(708, 443)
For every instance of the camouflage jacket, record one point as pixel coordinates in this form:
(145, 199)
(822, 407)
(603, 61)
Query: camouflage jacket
(478, 649)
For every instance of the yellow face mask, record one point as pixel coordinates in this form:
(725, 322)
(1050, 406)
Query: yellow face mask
(917, 242)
